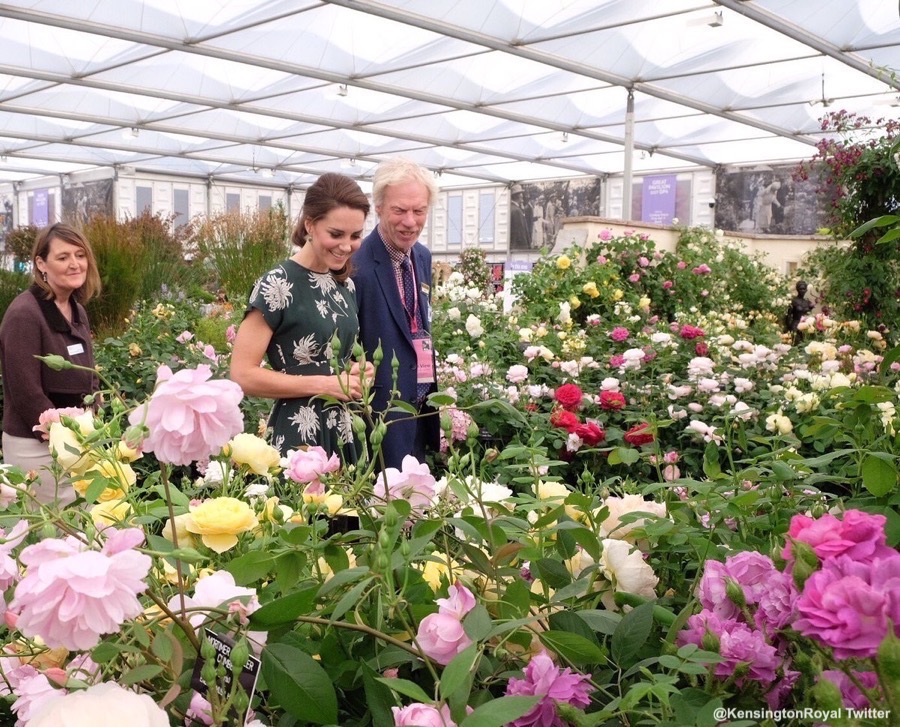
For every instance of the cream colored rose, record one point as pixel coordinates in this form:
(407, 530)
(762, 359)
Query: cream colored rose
(555, 493)
(779, 423)
(119, 476)
(618, 507)
(64, 444)
(124, 453)
(254, 453)
(624, 567)
(219, 521)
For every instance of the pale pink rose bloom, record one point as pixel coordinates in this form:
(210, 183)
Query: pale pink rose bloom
(9, 569)
(413, 483)
(50, 416)
(213, 591)
(8, 494)
(210, 353)
(441, 637)
(199, 711)
(34, 693)
(310, 464)
(230, 333)
(102, 704)
(190, 417)
(458, 603)
(422, 715)
(517, 374)
(70, 595)
(184, 337)
(671, 472)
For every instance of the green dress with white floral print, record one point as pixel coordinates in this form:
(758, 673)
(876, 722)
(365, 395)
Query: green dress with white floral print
(305, 310)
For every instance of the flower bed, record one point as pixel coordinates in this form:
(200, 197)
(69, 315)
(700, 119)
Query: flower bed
(648, 506)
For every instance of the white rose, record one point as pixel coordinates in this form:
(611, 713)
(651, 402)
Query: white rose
(473, 326)
(612, 526)
(101, 704)
(779, 423)
(453, 314)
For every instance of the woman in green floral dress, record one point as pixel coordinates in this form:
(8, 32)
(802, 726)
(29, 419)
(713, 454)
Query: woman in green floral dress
(297, 313)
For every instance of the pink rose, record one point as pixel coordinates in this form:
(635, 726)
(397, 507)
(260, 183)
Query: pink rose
(189, 416)
(517, 374)
(441, 637)
(413, 482)
(711, 591)
(422, 715)
(619, 333)
(70, 595)
(847, 604)
(546, 679)
(859, 535)
(310, 464)
(458, 602)
(50, 416)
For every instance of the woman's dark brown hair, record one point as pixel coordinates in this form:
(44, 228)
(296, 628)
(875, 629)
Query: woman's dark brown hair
(330, 191)
(41, 249)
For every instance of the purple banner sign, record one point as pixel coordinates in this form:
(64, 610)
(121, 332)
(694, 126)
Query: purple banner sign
(40, 209)
(658, 199)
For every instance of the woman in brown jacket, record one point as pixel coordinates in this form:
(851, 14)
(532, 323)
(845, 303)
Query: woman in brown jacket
(48, 318)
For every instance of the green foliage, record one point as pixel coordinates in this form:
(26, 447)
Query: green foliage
(164, 271)
(237, 247)
(20, 242)
(860, 280)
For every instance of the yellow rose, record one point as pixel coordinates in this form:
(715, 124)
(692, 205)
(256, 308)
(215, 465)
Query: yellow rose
(219, 521)
(119, 475)
(590, 289)
(437, 569)
(111, 512)
(563, 262)
(540, 332)
(644, 303)
(124, 453)
(255, 453)
(323, 500)
(325, 569)
(134, 350)
(178, 531)
(64, 444)
(575, 302)
(617, 294)
(269, 511)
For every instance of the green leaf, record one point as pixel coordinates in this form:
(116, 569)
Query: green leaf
(142, 673)
(251, 567)
(406, 688)
(379, 698)
(552, 572)
(879, 475)
(883, 221)
(458, 670)
(711, 466)
(477, 623)
(632, 633)
(573, 647)
(572, 622)
(299, 684)
(284, 610)
(350, 599)
(500, 712)
(342, 578)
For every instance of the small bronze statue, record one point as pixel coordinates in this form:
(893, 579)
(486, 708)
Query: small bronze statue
(798, 308)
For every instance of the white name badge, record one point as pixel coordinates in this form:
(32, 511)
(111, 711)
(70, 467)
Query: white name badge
(75, 349)
(424, 360)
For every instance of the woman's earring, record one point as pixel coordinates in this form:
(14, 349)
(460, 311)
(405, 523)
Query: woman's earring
(307, 239)
(44, 276)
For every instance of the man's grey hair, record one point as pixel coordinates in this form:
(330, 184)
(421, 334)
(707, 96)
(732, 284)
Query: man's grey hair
(399, 171)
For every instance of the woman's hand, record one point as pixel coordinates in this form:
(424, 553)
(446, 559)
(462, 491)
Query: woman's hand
(351, 384)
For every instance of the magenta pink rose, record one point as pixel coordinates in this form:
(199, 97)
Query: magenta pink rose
(458, 602)
(851, 694)
(753, 572)
(70, 596)
(711, 591)
(441, 637)
(308, 465)
(190, 417)
(544, 678)
(739, 645)
(422, 715)
(859, 535)
(846, 604)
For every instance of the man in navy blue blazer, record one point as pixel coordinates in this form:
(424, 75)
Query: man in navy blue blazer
(393, 289)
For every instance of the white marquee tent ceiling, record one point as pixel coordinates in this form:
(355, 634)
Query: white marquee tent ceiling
(279, 91)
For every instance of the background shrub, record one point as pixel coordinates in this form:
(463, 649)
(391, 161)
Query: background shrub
(235, 248)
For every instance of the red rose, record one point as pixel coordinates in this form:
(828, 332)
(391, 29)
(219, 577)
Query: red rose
(564, 420)
(569, 396)
(612, 400)
(639, 434)
(701, 349)
(590, 433)
(688, 332)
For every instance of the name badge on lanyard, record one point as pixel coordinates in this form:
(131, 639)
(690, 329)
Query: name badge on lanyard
(424, 360)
